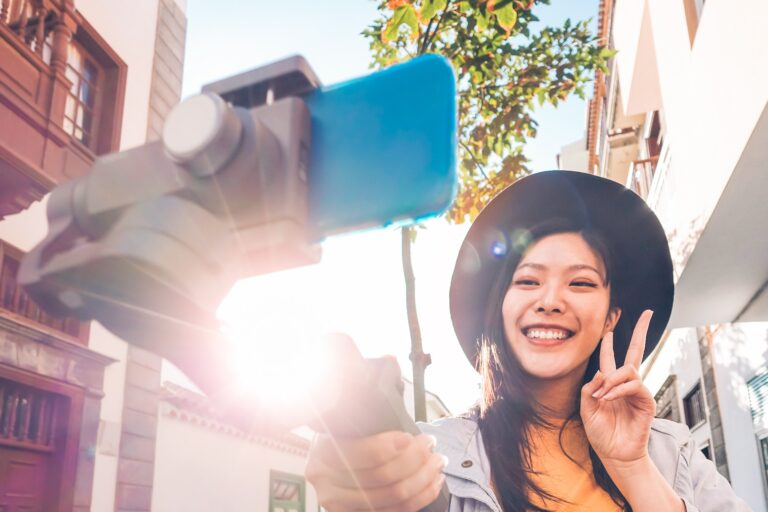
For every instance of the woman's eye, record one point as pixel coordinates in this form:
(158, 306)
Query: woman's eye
(526, 282)
(584, 283)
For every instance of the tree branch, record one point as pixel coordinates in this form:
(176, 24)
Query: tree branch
(428, 40)
(474, 158)
(425, 40)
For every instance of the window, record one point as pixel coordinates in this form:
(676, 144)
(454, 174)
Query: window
(27, 415)
(15, 300)
(764, 456)
(693, 404)
(707, 451)
(286, 492)
(81, 106)
(667, 400)
(93, 107)
(758, 399)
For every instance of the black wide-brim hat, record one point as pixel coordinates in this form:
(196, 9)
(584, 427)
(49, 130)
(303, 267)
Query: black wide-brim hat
(641, 263)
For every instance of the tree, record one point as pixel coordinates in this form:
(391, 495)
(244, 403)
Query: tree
(504, 68)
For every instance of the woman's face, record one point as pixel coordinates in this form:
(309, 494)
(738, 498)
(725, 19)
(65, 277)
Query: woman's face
(556, 308)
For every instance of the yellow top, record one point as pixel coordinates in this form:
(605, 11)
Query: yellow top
(572, 482)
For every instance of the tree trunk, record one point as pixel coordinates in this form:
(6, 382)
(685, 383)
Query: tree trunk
(419, 359)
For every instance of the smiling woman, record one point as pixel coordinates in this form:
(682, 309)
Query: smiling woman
(562, 286)
(561, 308)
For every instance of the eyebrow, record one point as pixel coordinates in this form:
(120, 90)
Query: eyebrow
(579, 266)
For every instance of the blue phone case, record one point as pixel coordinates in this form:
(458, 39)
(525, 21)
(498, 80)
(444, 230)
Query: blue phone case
(383, 147)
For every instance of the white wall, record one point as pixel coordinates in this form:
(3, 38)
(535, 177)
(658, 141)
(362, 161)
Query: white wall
(712, 95)
(129, 28)
(574, 156)
(680, 356)
(636, 59)
(740, 351)
(111, 415)
(199, 469)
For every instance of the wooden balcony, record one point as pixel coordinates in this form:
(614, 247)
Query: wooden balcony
(61, 97)
(640, 177)
(15, 304)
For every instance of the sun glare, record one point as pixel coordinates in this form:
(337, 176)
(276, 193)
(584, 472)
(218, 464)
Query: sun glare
(276, 337)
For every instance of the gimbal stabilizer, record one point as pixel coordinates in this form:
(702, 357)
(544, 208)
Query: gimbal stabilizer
(154, 237)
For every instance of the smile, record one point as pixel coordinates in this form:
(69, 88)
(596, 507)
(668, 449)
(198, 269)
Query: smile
(549, 334)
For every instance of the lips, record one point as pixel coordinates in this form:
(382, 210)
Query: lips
(546, 334)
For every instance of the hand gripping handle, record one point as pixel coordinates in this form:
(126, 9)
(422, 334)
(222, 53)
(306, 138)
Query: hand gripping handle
(368, 400)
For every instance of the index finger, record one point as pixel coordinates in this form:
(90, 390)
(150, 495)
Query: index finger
(637, 343)
(361, 453)
(607, 359)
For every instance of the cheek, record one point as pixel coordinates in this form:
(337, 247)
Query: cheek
(594, 315)
(510, 312)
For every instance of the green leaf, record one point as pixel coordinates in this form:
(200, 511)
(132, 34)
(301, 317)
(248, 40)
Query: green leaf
(542, 96)
(506, 15)
(430, 8)
(606, 53)
(403, 15)
(500, 77)
(483, 19)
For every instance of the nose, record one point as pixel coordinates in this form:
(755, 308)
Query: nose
(550, 301)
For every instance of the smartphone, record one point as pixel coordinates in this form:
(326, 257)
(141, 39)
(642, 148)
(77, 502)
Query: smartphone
(383, 146)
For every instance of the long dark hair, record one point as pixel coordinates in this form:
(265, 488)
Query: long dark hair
(506, 409)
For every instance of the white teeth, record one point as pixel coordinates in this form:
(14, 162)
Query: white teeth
(547, 334)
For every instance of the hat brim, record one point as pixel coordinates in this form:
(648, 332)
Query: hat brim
(642, 263)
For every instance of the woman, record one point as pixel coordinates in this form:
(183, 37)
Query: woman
(562, 278)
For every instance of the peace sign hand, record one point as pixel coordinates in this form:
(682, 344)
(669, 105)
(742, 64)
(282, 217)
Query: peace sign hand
(616, 408)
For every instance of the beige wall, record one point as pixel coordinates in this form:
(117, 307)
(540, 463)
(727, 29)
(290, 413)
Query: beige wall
(712, 95)
(202, 469)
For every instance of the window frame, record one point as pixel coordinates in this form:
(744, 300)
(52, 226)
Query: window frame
(696, 389)
(274, 503)
(110, 99)
(96, 110)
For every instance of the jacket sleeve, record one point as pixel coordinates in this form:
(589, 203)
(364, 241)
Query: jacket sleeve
(710, 490)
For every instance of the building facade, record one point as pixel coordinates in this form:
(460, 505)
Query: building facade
(87, 422)
(682, 119)
(204, 463)
(78, 408)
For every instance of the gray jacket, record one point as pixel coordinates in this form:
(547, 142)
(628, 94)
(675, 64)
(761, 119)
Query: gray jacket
(692, 476)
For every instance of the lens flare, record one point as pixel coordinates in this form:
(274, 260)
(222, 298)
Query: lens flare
(275, 341)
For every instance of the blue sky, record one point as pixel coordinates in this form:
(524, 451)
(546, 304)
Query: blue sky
(227, 37)
(358, 286)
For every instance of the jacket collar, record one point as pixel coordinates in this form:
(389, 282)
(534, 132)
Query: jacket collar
(460, 440)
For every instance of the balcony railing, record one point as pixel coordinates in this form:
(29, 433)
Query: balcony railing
(640, 177)
(63, 86)
(15, 302)
(31, 21)
(28, 416)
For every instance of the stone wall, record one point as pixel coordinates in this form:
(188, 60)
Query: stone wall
(167, 67)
